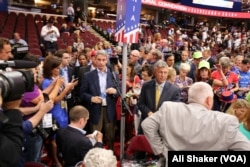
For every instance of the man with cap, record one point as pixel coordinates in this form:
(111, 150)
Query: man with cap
(197, 57)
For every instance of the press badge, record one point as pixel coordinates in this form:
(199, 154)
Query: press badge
(104, 101)
(63, 104)
(47, 120)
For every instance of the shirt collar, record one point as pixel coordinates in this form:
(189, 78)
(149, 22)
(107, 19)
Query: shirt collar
(162, 84)
(99, 71)
(81, 130)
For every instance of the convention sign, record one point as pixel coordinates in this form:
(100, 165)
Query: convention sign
(193, 10)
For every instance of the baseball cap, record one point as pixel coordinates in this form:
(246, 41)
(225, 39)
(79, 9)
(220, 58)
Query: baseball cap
(204, 63)
(197, 55)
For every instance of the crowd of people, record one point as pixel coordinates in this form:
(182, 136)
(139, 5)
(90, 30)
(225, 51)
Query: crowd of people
(170, 84)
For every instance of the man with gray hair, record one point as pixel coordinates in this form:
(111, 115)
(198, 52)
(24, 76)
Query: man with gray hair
(156, 91)
(99, 93)
(194, 126)
(134, 58)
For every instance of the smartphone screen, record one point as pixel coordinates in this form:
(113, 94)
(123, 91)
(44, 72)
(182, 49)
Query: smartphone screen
(61, 72)
(46, 97)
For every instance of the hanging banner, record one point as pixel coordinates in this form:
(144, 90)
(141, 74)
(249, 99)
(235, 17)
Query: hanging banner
(127, 21)
(193, 10)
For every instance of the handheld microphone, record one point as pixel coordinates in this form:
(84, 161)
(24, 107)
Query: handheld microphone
(18, 64)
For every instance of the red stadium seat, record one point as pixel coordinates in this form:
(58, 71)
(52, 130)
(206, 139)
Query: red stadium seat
(139, 143)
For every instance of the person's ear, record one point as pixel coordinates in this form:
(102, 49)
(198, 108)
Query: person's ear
(209, 102)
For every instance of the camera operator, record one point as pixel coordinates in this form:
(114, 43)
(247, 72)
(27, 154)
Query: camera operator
(11, 134)
(5, 49)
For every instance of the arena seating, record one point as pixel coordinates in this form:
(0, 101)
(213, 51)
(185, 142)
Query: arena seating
(29, 26)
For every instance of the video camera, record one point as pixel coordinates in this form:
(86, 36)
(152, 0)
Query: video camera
(14, 84)
(19, 51)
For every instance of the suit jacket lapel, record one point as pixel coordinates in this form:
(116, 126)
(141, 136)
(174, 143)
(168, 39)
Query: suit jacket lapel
(109, 79)
(96, 81)
(70, 72)
(152, 92)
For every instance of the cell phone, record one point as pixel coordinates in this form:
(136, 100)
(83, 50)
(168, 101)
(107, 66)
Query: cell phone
(45, 97)
(61, 72)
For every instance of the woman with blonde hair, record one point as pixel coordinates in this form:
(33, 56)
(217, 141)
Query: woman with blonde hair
(171, 75)
(239, 108)
(245, 125)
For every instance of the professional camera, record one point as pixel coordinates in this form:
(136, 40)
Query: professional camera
(19, 51)
(46, 132)
(14, 84)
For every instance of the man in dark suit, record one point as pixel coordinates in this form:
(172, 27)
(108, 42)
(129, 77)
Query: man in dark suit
(99, 93)
(168, 92)
(72, 142)
(207, 56)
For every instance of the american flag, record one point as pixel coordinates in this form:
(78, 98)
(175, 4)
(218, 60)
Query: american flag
(127, 21)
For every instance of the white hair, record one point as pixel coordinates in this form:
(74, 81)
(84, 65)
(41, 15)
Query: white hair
(185, 66)
(100, 157)
(199, 91)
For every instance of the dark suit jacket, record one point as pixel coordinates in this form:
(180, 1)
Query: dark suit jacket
(70, 72)
(79, 73)
(82, 71)
(146, 102)
(73, 145)
(192, 72)
(211, 62)
(89, 88)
